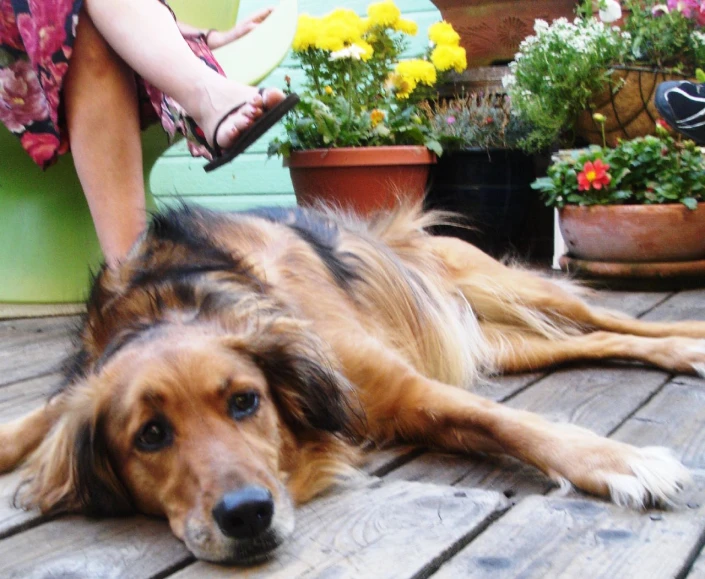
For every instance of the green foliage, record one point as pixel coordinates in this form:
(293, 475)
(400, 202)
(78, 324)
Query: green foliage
(475, 120)
(556, 73)
(560, 69)
(644, 171)
(664, 38)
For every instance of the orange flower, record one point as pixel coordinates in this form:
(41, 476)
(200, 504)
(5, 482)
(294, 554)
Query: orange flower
(376, 117)
(594, 175)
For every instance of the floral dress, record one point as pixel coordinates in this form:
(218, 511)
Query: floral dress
(36, 40)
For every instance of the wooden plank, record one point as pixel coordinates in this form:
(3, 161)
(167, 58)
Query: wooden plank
(132, 547)
(673, 418)
(369, 531)
(33, 347)
(21, 397)
(12, 519)
(632, 303)
(599, 399)
(685, 305)
(565, 537)
(697, 571)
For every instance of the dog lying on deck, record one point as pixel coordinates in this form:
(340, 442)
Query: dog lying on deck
(234, 364)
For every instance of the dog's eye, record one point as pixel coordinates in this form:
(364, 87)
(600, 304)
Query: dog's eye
(153, 436)
(243, 405)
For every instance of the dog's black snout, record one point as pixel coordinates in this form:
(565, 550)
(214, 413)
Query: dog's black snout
(244, 513)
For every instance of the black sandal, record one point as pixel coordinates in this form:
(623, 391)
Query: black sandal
(249, 135)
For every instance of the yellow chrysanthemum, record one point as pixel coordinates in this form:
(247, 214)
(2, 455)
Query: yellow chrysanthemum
(406, 26)
(329, 40)
(402, 87)
(383, 13)
(306, 33)
(443, 34)
(445, 57)
(367, 48)
(376, 117)
(417, 71)
(339, 28)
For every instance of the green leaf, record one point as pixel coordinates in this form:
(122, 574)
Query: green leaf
(690, 203)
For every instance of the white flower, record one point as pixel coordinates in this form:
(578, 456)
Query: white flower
(353, 51)
(610, 11)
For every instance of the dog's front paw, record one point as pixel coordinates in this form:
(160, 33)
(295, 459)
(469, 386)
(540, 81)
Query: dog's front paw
(657, 478)
(629, 476)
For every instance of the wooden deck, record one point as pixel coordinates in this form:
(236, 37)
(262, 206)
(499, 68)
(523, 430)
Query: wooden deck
(419, 514)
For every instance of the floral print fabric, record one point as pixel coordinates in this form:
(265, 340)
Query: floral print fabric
(36, 41)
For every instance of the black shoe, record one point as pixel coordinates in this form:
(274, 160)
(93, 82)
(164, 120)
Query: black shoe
(682, 105)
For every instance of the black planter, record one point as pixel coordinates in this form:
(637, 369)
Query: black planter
(491, 191)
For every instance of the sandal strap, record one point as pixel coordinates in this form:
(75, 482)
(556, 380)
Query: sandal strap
(217, 150)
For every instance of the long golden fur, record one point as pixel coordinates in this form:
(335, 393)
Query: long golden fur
(234, 364)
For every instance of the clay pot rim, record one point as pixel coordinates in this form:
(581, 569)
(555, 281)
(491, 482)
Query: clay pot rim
(356, 156)
(635, 208)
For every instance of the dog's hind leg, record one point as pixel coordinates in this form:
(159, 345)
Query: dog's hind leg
(517, 297)
(21, 436)
(402, 404)
(515, 351)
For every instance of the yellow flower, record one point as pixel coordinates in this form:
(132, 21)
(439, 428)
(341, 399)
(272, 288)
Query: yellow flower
(417, 71)
(368, 50)
(383, 13)
(406, 26)
(376, 117)
(306, 33)
(329, 90)
(442, 33)
(402, 87)
(338, 29)
(445, 57)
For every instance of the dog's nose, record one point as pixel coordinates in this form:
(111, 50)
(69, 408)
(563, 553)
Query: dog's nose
(244, 513)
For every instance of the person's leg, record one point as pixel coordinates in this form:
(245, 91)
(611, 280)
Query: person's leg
(146, 36)
(102, 117)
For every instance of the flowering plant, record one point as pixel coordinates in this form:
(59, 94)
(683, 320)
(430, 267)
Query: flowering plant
(642, 171)
(357, 90)
(475, 120)
(560, 69)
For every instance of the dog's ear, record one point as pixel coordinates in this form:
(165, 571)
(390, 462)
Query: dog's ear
(71, 470)
(309, 388)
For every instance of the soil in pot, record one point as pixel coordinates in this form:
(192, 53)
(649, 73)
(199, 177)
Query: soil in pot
(490, 190)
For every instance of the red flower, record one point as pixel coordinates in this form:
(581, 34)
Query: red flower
(594, 175)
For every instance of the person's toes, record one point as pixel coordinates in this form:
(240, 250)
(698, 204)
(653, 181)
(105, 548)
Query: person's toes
(271, 97)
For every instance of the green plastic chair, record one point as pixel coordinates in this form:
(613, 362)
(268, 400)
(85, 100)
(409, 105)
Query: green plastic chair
(47, 241)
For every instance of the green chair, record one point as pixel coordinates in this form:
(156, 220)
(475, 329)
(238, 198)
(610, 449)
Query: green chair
(47, 241)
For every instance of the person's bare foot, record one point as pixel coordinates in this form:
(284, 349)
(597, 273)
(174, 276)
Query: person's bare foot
(237, 122)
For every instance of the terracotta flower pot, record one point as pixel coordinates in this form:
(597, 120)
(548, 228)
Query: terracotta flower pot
(634, 233)
(362, 179)
(491, 30)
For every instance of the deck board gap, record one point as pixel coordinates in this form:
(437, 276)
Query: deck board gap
(656, 305)
(647, 400)
(436, 563)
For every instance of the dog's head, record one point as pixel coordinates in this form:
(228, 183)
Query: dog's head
(215, 430)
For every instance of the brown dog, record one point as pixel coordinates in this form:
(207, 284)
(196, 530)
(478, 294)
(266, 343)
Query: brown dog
(231, 367)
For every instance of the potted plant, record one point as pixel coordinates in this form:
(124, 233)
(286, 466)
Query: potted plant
(482, 175)
(631, 208)
(567, 71)
(358, 138)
